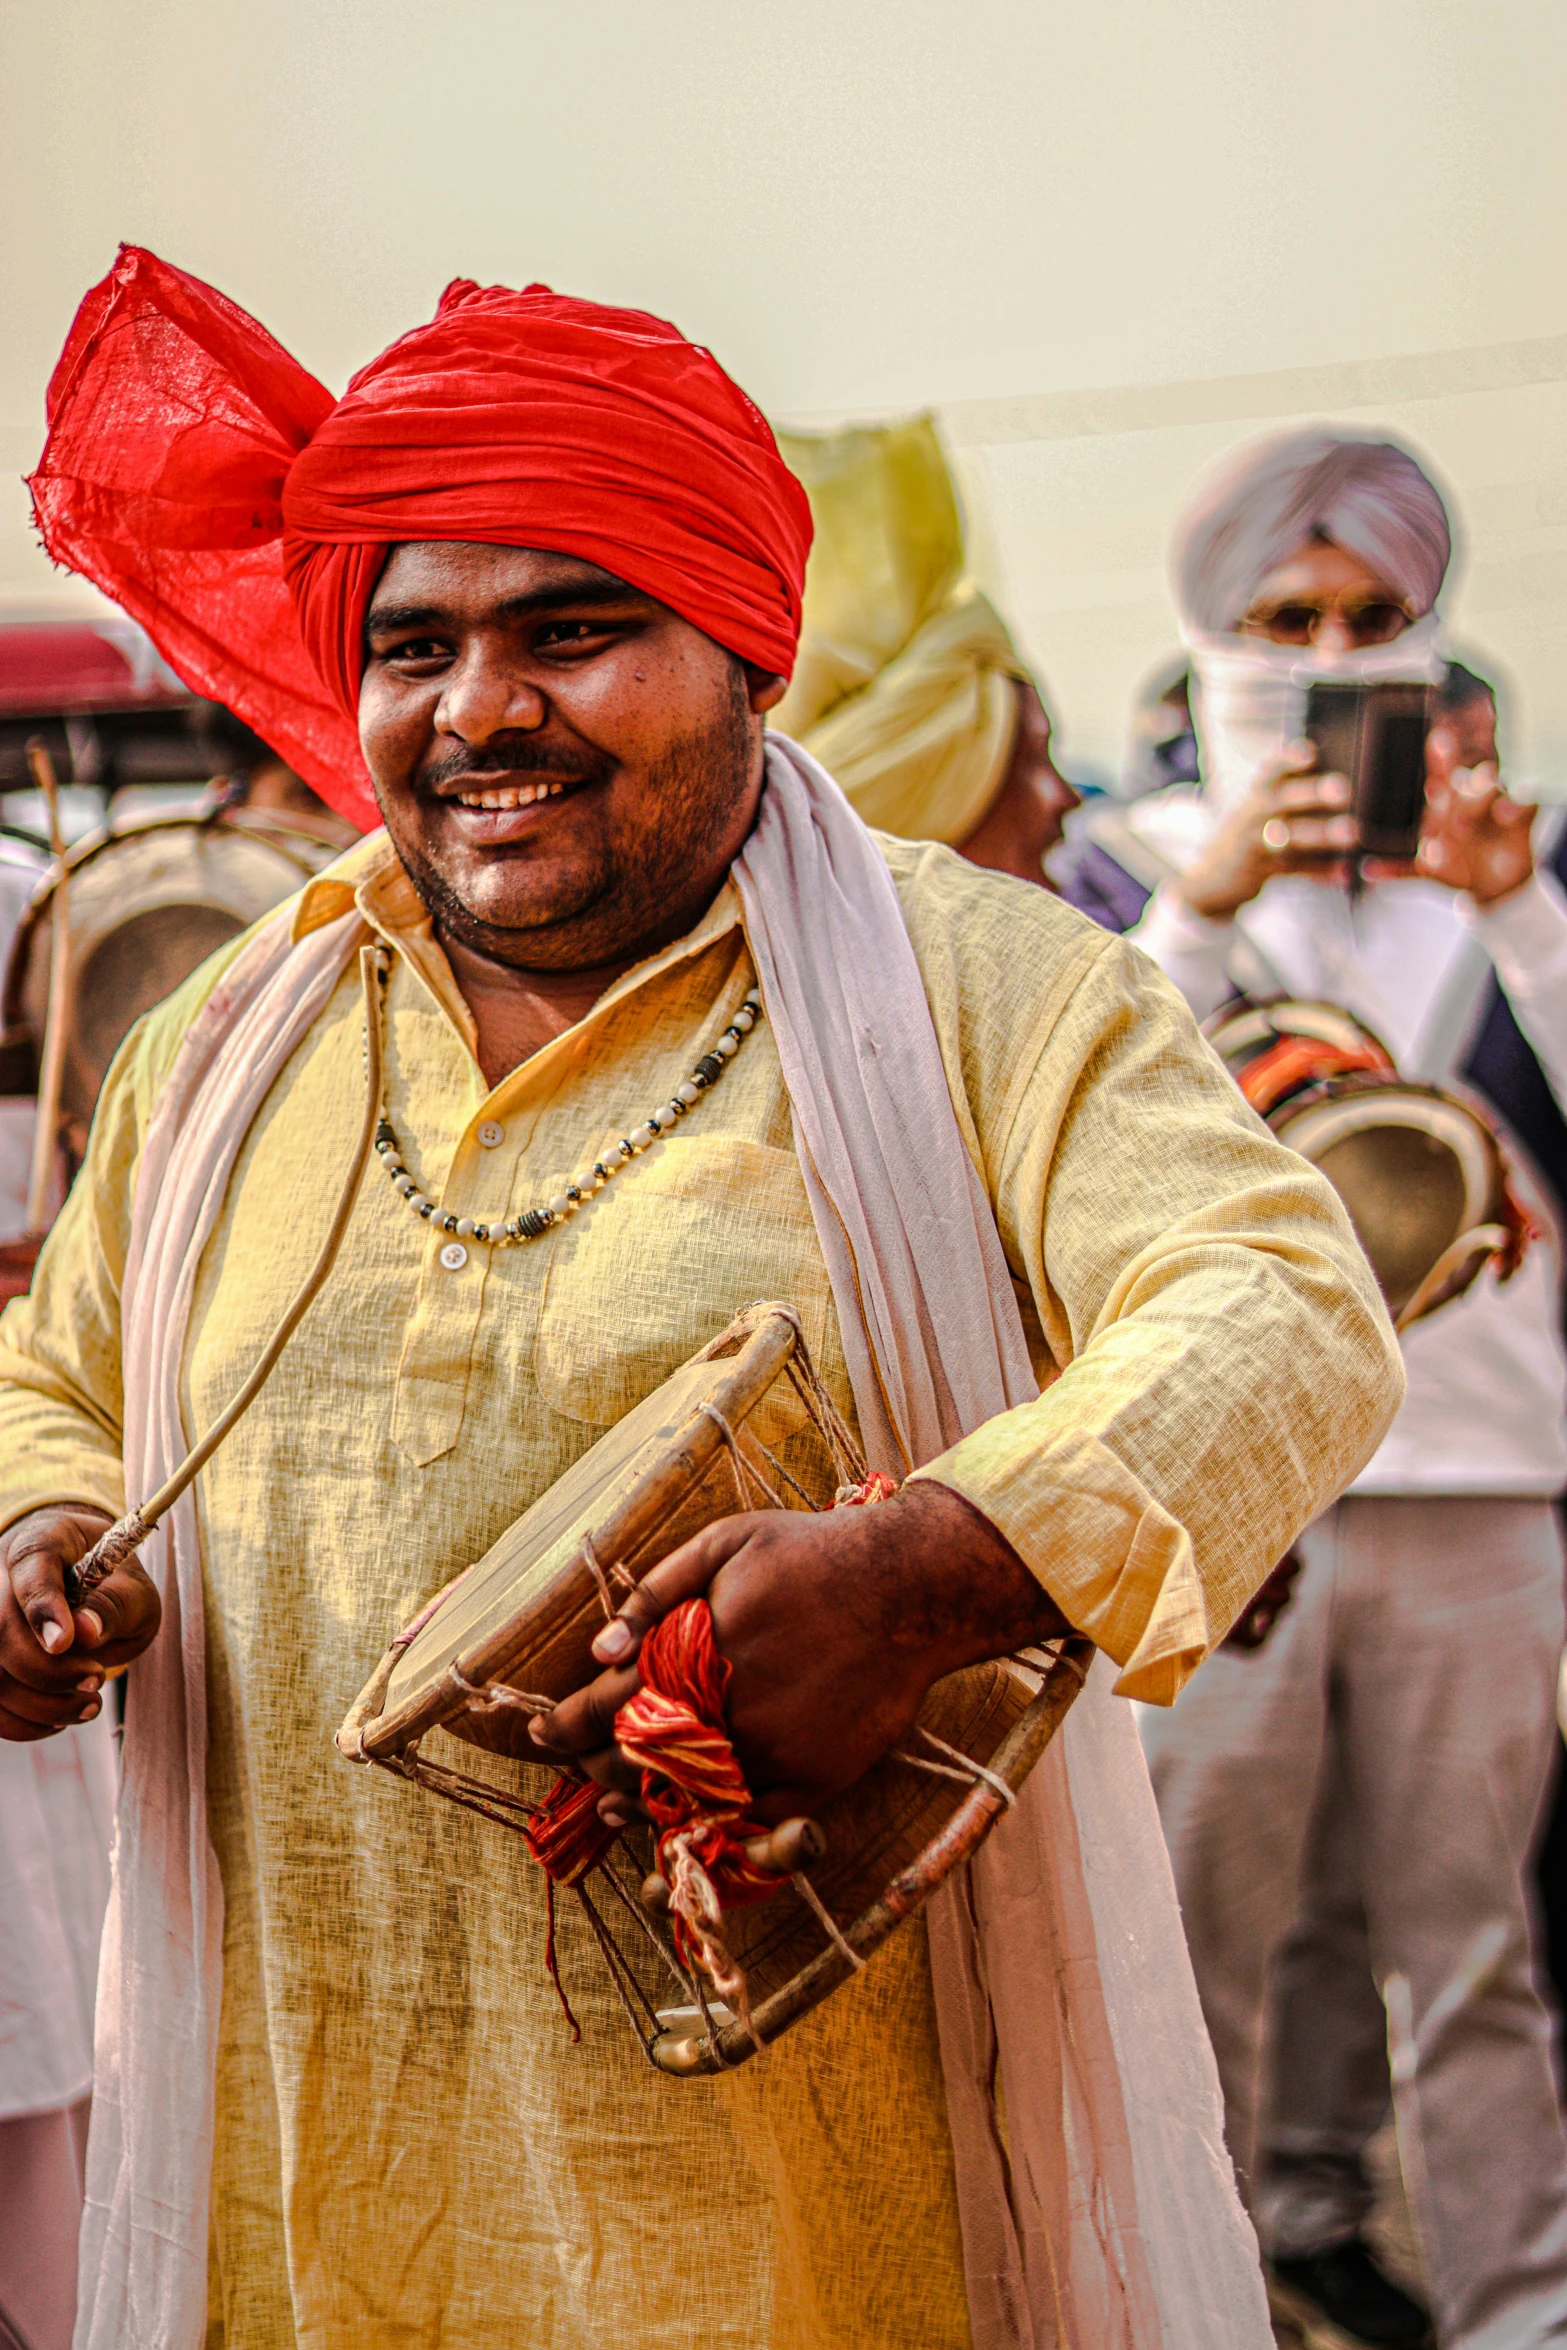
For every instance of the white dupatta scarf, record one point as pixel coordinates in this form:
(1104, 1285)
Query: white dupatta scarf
(1107, 2214)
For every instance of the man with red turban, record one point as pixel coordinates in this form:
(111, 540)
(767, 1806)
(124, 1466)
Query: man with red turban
(525, 593)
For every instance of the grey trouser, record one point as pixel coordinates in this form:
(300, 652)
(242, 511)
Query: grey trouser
(1349, 1811)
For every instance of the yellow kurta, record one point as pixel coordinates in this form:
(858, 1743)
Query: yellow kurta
(410, 2152)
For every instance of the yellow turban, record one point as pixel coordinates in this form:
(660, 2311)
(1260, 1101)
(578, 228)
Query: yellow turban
(903, 686)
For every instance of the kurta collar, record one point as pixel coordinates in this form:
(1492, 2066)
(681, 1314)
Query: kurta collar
(370, 876)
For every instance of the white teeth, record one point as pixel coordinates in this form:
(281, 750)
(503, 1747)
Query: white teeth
(520, 795)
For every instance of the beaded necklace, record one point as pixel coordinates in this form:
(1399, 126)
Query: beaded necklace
(535, 1221)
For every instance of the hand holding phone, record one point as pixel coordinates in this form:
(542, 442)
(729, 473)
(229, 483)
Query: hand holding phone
(1293, 820)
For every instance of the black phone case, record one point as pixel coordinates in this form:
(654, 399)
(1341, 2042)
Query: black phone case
(1375, 735)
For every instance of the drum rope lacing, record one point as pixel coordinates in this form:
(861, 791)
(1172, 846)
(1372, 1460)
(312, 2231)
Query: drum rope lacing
(533, 1223)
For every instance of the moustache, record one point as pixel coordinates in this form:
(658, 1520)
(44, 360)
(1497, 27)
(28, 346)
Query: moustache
(521, 754)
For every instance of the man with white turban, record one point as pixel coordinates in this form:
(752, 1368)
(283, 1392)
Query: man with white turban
(1351, 1804)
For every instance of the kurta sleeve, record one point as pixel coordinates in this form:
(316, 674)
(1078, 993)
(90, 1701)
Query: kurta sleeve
(61, 1395)
(60, 1390)
(61, 1398)
(1189, 949)
(1225, 1361)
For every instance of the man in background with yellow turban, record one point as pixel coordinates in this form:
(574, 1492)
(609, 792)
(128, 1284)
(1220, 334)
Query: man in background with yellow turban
(909, 688)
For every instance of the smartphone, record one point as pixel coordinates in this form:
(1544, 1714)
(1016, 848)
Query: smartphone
(1375, 735)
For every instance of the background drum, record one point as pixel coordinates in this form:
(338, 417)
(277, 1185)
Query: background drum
(149, 900)
(1419, 1168)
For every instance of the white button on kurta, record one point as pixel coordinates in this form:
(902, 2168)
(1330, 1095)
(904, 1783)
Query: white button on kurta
(454, 1256)
(491, 1133)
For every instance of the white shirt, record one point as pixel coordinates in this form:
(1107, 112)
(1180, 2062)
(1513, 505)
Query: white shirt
(56, 1820)
(1487, 1373)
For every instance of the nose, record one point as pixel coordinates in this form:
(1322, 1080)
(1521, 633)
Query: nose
(485, 696)
(1333, 634)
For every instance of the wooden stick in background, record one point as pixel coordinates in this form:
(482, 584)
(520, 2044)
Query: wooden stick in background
(51, 1073)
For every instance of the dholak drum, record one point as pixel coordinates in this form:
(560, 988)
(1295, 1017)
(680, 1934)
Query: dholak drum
(149, 901)
(1419, 1169)
(516, 1627)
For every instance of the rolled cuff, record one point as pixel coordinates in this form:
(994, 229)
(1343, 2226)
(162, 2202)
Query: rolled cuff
(1117, 1564)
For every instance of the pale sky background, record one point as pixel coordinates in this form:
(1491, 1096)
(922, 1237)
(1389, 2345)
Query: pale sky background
(1103, 241)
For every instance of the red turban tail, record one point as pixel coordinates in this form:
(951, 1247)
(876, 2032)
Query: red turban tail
(209, 485)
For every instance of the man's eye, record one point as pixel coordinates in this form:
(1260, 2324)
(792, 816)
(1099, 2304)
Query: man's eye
(418, 648)
(568, 632)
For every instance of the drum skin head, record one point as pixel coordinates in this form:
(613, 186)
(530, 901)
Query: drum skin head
(515, 1576)
(526, 1613)
(1414, 1166)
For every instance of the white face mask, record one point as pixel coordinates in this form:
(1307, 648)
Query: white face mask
(1249, 697)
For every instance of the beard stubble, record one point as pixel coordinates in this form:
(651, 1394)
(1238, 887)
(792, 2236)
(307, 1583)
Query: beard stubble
(668, 863)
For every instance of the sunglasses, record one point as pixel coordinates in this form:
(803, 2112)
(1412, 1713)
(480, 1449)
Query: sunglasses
(1367, 620)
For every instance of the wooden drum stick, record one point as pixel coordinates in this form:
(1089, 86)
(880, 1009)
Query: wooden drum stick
(57, 1022)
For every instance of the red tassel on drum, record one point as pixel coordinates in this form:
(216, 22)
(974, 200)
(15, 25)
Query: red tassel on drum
(693, 1788)
(567, 1839)
(694, 1791)
(565, 1835)
(875, 1485)
(691, 1783)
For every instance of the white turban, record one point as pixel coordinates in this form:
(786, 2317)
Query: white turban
(1260, 503)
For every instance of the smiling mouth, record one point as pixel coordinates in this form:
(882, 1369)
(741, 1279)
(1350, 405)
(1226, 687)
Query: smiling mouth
(511, 795)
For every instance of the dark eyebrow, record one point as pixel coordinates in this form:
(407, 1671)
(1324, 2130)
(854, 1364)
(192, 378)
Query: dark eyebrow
(568, 596)
(381, 619)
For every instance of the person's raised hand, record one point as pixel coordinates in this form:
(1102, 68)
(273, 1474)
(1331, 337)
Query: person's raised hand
(1267, 1603)
(53, 1661)
(834, 1627)
(1292, 821)
(1475, 838)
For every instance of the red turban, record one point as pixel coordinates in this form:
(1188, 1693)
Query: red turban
(201, 478)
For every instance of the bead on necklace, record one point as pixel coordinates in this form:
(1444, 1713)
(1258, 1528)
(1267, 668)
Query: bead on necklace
(534, 1222)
